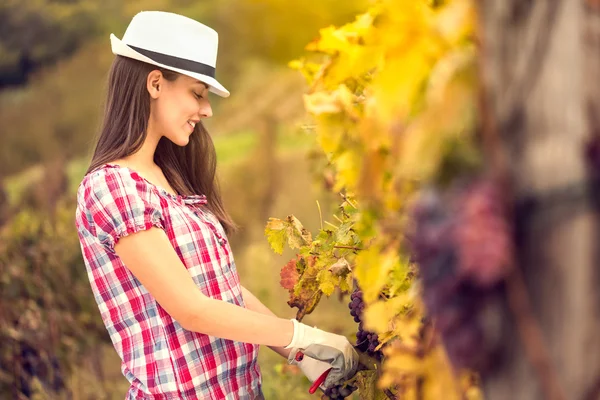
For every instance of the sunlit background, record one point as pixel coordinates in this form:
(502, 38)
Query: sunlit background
(54, 60)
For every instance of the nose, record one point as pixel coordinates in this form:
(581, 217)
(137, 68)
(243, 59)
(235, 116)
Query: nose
(205, 110)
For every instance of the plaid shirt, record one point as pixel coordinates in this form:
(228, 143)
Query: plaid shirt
(160, 358)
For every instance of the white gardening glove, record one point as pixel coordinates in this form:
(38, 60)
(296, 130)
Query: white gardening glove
(312, 368)
(328, 347)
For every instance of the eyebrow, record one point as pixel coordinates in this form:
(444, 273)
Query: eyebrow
(197, 81)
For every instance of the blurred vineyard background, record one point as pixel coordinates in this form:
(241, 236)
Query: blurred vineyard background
(54, 58)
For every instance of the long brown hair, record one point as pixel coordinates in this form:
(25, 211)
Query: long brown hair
(190, 169)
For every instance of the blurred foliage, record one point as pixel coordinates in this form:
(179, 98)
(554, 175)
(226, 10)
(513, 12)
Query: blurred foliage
(56, 115)
(393, 95)
(52, 318)
(37, 33)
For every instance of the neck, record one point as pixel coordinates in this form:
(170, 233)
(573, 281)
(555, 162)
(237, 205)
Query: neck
(144, 157)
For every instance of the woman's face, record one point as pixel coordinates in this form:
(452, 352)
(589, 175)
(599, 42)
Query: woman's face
(176, 106)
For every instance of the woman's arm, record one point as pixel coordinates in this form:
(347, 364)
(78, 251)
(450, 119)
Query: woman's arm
(254, 304)
(150, 257)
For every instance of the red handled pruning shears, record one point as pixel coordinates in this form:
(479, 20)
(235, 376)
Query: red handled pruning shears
(299, 356)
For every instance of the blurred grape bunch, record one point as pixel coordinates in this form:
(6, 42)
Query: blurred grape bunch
(48, 315)
(463, 245)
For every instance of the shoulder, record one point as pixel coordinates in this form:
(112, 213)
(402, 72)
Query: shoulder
(112, 182)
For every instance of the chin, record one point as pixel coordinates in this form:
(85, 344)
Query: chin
(183, 141)
(180, 141)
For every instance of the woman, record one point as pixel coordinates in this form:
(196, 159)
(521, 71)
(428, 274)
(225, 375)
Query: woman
(153, 231)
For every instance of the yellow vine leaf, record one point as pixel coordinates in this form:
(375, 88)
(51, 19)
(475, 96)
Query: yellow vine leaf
(437, 380)
(334, 40)
(372, 268)
(322, 103)
(379, 316)
(348, 165)
(451, 109)
(327, 282)
(456, 21)
(308, 69)
(276, 234)
(330, 132)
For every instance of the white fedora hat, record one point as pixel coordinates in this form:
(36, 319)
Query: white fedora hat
(174, 42)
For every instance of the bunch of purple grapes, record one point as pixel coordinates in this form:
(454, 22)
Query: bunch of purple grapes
(366, 341)
(463, 249)
(356, 305)
(338, 392)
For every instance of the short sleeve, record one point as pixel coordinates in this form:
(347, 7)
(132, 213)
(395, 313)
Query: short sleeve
(119, 202)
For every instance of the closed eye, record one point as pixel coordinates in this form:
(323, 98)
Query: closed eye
(198, 96)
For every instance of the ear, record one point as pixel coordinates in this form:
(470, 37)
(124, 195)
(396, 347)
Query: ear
(154, 83)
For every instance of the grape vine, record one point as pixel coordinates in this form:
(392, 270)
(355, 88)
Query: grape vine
(393, 96)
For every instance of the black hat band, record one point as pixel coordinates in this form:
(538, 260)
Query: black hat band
(176, 62)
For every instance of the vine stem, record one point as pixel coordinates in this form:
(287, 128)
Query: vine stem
(347, 200)
(367, 362)
(320, 214)
(347, 247)
(389, 394)
(330, 224)
(531, 336)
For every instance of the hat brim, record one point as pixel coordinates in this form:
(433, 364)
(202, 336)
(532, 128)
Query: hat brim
(122, 49)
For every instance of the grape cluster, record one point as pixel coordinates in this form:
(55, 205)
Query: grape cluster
(338, 392)
(482, 234)
(463, 249)
(366, 341)
(356, 305)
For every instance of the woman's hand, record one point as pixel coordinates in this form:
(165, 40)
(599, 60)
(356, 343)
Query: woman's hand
(311, 367)
(334, 350)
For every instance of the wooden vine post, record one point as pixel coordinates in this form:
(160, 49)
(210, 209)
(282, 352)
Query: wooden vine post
(541, 69)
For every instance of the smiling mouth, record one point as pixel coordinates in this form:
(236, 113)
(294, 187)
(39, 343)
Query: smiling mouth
(192, 124)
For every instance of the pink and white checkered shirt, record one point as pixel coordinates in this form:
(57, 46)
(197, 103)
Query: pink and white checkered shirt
(160, 358)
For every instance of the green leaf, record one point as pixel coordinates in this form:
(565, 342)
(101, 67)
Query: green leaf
(344, 235)
(290, 230)
(325, 241)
